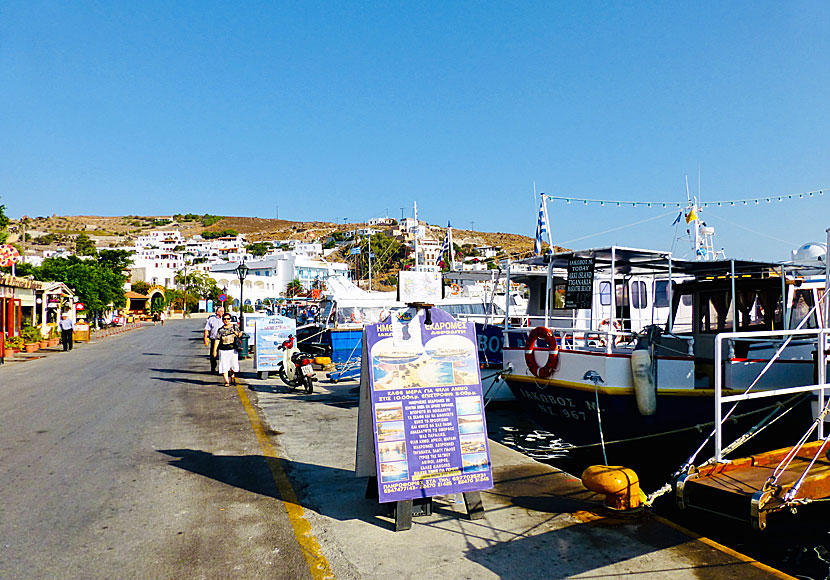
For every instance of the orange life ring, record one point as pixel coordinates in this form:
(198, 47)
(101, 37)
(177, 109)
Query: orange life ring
(547, 369)
(455, 289)
(606, 325)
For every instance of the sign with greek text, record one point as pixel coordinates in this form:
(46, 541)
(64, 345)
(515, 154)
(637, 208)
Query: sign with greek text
(269, 333)
(427, 406)
(580, 284)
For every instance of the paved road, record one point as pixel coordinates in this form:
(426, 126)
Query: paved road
(126, 459)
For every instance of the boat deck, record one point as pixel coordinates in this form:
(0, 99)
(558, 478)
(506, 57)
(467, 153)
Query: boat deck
(739, 488)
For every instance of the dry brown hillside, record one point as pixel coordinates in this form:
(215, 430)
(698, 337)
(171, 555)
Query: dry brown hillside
(111, 231)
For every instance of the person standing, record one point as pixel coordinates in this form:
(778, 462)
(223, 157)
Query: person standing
(213, 324)
(162, 316)
(67, 326)
(225, 350)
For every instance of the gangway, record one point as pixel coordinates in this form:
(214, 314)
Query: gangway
(742, 488)
(750, 488)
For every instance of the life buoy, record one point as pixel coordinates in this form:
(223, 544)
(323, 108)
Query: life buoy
(605, 326)
(552, 349)
(455, 289)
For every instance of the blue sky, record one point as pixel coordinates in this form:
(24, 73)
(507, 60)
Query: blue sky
(346, 110)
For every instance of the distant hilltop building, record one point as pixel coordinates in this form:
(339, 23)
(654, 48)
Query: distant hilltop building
(384, 221)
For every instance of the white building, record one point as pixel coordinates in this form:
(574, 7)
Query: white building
(268, 278)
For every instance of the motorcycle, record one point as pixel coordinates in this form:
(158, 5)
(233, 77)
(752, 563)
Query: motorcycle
(295, 369)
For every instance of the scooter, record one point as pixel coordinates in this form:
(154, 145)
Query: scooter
(295, 369)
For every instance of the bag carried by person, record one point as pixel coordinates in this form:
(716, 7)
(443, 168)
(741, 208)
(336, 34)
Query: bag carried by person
(237, 343)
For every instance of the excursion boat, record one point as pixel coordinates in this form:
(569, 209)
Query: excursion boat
(346, 308)
(620, 345)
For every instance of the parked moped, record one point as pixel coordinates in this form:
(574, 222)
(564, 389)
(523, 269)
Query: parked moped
(295, 370)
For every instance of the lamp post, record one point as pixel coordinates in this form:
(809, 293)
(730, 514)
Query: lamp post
(241, 272)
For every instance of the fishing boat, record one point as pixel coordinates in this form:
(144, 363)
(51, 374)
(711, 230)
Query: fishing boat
(620, 344)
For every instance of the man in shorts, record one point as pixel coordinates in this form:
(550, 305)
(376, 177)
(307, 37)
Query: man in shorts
(212, 326)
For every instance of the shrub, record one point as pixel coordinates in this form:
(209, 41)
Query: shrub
(31, 334)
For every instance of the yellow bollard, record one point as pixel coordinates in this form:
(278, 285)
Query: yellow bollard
(619, 485)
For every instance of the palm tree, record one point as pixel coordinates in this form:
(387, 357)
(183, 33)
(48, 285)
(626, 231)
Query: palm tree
(294, 288)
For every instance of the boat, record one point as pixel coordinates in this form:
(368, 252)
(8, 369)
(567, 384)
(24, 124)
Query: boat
(619, 348)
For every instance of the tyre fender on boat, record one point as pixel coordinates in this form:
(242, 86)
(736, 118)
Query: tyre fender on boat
(552, 349)
(643, 377)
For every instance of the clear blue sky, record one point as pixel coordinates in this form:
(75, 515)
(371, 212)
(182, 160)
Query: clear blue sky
(344, 110)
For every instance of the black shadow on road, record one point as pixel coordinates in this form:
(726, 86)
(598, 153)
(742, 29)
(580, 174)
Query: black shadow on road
(341, 492)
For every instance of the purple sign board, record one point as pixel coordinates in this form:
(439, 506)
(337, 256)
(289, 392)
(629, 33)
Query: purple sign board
(427, 406)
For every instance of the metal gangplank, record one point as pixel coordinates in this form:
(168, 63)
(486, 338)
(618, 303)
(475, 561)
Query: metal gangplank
(742, 488)
(750, 488)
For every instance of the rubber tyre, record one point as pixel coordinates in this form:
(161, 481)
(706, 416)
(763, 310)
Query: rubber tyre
(291, 385)
(309, 385)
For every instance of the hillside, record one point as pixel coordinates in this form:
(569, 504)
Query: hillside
(111, 231)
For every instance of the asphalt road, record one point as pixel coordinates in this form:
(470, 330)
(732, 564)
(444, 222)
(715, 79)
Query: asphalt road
(125, 458)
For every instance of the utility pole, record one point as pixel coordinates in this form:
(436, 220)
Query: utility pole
(472, 226)
(402, 209)
(278, 212)
(370, 261)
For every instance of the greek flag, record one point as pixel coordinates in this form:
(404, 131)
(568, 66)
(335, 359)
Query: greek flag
(445, 247)
(542, 229)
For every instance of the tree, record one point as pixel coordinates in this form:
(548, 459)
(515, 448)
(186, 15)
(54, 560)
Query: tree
(294, 288)
(84, 246)
(140, 286)
(199, 285)
(97, 284)
(258, 249)
(4, 223)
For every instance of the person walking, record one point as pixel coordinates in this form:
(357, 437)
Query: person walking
(67, 326)
(213, 324)
(162, 316)
(225, 350)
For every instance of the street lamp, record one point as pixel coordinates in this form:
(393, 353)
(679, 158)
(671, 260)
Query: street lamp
(241, 272)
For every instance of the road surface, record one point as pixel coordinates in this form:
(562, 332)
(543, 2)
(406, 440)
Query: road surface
(125, 458)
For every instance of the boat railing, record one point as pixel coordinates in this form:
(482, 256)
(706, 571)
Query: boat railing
(721, 399)
(586, 336)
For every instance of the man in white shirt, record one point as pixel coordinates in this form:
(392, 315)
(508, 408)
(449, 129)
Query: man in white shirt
(212, 326)
(67, 326)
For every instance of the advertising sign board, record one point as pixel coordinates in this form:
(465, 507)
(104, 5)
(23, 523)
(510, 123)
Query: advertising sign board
(580, 284)
(430, 433)
(269, 333)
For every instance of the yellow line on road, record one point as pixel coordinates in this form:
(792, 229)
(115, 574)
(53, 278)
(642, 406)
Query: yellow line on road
(317, 563)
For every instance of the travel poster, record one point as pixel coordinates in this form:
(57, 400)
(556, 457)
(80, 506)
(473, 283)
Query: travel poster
(427, 406)
(269, 333)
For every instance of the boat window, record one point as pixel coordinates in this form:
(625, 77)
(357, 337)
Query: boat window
(715, 313)
(558, 297)
(802, 304)
(605, 293)
(661, 294)
(639, 296)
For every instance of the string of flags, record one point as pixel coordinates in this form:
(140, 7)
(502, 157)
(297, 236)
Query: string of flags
(718, 203)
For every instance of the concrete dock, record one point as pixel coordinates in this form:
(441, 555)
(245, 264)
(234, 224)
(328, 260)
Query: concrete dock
(540, 522)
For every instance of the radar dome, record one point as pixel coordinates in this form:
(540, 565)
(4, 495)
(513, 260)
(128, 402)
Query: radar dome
(810, 252)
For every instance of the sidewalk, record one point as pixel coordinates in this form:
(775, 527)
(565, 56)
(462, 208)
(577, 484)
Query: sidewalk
(540, 522)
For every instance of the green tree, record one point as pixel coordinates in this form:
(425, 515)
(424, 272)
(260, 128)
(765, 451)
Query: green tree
(258, 249)
(199, 285)
(84, 246)
(4, 223)
(140, 286)
(294, 288)
(97, 284)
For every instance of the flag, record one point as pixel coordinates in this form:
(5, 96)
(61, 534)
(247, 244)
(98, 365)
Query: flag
(677, 219)
(542, 229)
(445, 247)
(691, 216)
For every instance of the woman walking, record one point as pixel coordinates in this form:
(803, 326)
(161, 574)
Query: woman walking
(224, 350)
